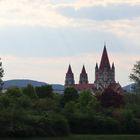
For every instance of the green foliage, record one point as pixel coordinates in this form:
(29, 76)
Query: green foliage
(30, 91)
(87, 102)
(70, 109)
(14, 92)
(45, 104)
(70, 94)
(110, 98)
(50, 124)
(23, 114)
(44, 91)
(1, 75)
(85, 97)
(94, 125)
(135, 76)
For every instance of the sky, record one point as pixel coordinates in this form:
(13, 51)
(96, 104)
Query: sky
(40, 38)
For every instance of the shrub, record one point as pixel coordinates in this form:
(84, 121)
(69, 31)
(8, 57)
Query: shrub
(94, 125)
(52, 125)
(70, 94)
(44, 91)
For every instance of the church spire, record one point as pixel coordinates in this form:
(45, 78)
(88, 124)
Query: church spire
(96, 68)
(69, 69)
(113, 67)
(83, 76)
(83, 70)
(104, 60)
(69, 79)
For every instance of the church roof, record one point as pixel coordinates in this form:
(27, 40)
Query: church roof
(82, 87)
(69, 70)
(83, 70)
(104, 60)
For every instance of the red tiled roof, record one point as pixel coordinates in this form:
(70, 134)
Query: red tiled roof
(81, 87)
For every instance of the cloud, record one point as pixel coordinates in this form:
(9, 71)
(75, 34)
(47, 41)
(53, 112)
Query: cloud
(90, 3)
(109, 12)
(29, 12)
(45, 12)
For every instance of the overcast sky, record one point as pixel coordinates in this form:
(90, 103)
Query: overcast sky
(40, 38)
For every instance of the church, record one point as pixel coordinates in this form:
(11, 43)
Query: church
(104, 77)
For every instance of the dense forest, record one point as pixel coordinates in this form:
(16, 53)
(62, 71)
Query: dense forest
(40, 112)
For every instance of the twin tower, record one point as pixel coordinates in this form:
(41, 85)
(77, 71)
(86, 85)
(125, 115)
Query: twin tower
(104, 76)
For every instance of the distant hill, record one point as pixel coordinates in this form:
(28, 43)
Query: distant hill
(128, 88)
(24, 82)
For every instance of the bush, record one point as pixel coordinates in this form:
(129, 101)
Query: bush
(44, 91)
(70, 94)
(14, 92)
(51, 125)
(110, 98)
(94, 125)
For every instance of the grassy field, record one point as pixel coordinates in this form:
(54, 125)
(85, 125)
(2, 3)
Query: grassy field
(87, 137)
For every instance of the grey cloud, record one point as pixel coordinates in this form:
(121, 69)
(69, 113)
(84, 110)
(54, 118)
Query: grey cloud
(110, 12)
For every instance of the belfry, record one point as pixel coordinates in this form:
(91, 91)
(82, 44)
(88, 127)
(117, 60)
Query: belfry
(104, 74)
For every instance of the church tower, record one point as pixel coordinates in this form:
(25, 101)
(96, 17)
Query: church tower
(83, 76)
(104, 74)
(69, 79)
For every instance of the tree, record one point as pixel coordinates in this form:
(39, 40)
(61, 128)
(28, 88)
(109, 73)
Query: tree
(110, 98)
(135, 76)
(14, 92)
(70, 94)
(30, 91)
(87, 102)
(44, 91)
(1, 75)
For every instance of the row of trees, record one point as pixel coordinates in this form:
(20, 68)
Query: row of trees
(24, 112)
(40, 112)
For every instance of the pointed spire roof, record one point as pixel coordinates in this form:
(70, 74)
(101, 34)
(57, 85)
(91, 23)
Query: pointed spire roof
(69, 70)
(104, 60)
(83, 70)
(96, 66)
(113, 65)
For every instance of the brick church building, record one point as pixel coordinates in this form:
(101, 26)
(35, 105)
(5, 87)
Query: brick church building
(104, 77)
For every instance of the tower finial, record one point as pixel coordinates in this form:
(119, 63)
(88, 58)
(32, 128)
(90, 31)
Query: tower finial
(104, 43)
(113, 67)
(96, 65)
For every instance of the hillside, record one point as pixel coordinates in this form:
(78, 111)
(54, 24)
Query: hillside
(24, 82)
(128, 88)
